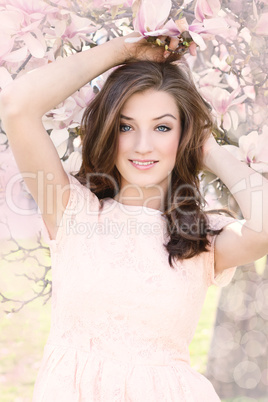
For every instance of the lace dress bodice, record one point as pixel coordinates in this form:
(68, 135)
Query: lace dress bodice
(122, 319)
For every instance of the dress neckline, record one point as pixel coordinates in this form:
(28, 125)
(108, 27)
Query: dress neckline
(151, 211)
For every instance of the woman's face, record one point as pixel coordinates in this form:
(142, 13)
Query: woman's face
(148, 139)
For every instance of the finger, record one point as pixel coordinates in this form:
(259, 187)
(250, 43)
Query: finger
(161, 40)
(192, 49)
(173, 43)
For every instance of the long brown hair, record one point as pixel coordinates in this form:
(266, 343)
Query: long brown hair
(187, 223)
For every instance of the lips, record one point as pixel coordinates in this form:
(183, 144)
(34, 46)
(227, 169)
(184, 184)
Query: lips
(143, 164)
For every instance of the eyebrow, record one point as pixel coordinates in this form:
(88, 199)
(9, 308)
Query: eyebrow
(157, 118)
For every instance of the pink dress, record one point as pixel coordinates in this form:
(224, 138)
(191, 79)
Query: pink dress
(122, 318)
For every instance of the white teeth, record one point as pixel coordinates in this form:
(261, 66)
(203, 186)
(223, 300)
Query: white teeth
(142, 163)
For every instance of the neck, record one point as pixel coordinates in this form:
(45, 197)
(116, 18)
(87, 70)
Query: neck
(150, 197)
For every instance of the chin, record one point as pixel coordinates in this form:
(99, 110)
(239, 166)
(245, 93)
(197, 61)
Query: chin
(145, 181)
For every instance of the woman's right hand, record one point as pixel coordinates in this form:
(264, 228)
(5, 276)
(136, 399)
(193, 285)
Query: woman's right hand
(144, 50)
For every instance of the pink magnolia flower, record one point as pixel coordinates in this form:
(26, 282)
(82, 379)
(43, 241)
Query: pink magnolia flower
(70, 28)
(210, 77)
(253, 150)
(182, 24)
(151, 17)
(206, 9)
(150, 21)
(35, 9)
(78, 29)
(69, 113)
(208, 28)
(62, 116)
(261, 27)
(14, 24)
(222, 101)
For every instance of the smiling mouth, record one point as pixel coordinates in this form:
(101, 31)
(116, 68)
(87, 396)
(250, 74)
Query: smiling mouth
(143, 163)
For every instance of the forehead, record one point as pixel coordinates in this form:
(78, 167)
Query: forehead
(150, 102)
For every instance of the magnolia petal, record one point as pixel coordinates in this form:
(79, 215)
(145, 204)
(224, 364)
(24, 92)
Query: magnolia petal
(31, 27)
(6, 44)
(202, 9)
(62, 148)
(73, 163)
(215, 26)
(156, 13)
(248, 145)
(234, 93)
(75, 41)
(151, 16)
(139, 20)
(239, 100)
(35, 47)
(198, 39)
(59, 136)
(182, 24)
(50, 123)
(60, 27)
(262, 147)
(235, 119)
(74, 125)
(10, 22)
(173, 28)
(255, 10)
(158, 32)
(207, 93)
(262, 26)
(5, 77)
(220, 100)
(17, 55)
(227, 122)
(259, 167)
(212, 26)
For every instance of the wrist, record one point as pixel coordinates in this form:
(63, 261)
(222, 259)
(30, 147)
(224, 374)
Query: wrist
(211, 153)
(119, 50)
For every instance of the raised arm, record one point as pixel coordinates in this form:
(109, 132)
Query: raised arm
(27, 99)
(22, 105)
(245, 241)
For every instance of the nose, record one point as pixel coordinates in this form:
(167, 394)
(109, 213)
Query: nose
(144, 143)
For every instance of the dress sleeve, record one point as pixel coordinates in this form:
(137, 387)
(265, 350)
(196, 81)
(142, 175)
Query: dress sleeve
(80, 199)
(224, 278)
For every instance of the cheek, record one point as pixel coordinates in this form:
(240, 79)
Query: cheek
(170, 147)
(123, 146)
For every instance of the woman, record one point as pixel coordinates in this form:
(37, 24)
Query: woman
(133, 253)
